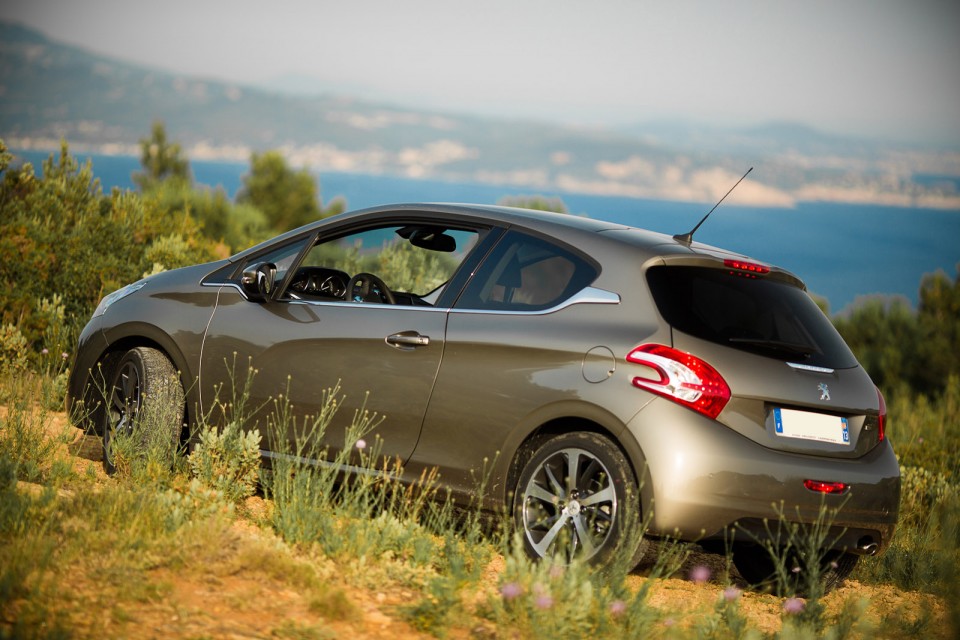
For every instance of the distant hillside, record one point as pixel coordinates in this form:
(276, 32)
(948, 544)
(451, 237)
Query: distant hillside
(50, 91)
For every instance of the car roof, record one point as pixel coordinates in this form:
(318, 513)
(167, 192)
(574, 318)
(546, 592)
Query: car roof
(547, 222)
(544, 221)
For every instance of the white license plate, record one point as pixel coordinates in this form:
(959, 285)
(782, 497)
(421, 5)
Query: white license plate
(805, 425)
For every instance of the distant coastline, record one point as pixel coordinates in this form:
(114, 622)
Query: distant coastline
(842, 251)
(613, 178)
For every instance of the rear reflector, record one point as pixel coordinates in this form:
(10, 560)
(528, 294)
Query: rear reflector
(820, 486)
(681, 377)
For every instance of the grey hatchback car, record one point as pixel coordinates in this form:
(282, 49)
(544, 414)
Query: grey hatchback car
(616, 377)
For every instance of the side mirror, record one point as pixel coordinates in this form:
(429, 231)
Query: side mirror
(258, 281)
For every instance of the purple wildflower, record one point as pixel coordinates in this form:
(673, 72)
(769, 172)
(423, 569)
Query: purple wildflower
(731, 593)
(361, 444)
(618, 608)
(793, 606)
(543, 601)
(511, 590)
(700, 574)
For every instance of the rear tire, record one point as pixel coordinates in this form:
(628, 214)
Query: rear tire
(144, 400)
(758, 567)
(577, 497)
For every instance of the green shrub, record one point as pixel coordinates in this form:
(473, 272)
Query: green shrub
(194, 502)
(553, 599)
(227, 460)
(925, 552)
(13, 350)
(68, 243)
(925, 430)
(25, 444)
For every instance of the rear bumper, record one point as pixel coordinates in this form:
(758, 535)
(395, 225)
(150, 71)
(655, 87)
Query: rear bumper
(711, 483)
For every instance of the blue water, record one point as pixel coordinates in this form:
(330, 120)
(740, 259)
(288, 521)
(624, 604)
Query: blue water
(841, 251)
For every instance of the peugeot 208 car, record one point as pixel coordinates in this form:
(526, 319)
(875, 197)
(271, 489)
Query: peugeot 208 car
(617, 378)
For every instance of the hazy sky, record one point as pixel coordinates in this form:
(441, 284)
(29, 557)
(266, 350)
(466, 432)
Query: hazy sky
(887, 68)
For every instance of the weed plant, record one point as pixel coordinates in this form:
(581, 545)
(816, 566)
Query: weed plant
(367, 530)
(553, 598)
(925, 551)
(371, 517)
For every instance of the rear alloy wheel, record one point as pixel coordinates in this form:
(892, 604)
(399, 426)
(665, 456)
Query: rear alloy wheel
(146, 401)
(758, 567)
(577, 498)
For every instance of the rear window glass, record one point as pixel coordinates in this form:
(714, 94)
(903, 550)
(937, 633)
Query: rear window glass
(524, 273)
(762, 316)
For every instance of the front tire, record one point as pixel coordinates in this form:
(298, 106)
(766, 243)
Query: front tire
(146, 402)
(577, 498)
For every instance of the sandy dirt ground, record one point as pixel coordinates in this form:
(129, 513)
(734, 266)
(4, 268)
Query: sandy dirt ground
(251, 604)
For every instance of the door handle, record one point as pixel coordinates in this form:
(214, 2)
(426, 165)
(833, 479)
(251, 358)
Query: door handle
(407, 340)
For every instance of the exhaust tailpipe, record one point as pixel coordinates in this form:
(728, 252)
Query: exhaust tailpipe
(867, 546)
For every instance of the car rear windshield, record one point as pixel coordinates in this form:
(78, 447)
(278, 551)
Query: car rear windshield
(760, 315)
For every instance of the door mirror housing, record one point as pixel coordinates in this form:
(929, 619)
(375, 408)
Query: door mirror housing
(258, 281)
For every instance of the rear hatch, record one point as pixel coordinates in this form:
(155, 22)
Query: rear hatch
(794, 385)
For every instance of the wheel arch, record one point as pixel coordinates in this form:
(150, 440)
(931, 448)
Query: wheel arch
(122, 339)
(598, 421)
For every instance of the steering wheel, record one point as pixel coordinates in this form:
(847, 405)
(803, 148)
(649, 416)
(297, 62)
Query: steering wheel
(363, 284)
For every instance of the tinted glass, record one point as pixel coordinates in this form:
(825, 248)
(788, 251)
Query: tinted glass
(415, 262)
(763, 316)
(525, 273)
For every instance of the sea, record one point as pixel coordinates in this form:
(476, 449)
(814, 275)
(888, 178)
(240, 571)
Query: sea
(844, 252)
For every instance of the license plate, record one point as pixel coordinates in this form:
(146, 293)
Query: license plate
(805, 425)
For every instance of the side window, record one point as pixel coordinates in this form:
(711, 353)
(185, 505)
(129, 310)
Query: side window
(413, 261)
(525, 273)
(282, 257)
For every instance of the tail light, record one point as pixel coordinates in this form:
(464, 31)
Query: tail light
(744, 268)
(882, 417)
(681, 377)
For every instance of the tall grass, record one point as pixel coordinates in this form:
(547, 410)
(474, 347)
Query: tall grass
(369, 531)
(370, 518)
(925, 553)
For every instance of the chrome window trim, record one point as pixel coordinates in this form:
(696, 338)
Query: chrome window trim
(809, 367)
(587, 295)
(366, 305)
(226, 284)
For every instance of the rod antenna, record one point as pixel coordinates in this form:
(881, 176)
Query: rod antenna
(687, 238)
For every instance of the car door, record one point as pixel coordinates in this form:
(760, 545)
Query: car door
(379, 357)
(518, 347)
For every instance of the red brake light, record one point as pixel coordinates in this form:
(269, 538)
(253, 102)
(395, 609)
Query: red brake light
(748, 269)
(882, 417)
(681, 377)
(826, 487)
